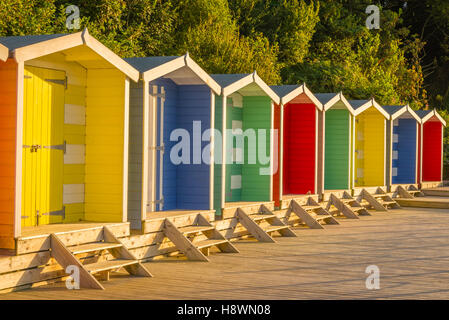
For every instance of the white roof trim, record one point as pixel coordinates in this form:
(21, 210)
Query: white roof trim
(237, 85)
(44, 48)
(399, 112)
(312, 97)
(110, 56)
(292, 95)
(274, 97)
(431, 115)
(164, 69)
(372, 103)
(250, 78)
(403, 110)
(203, 75)
(334, 100)
(300, 90)
(4, 52)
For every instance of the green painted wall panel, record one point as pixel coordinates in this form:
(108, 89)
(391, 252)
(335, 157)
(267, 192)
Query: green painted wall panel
(256, 115)
(336, 163)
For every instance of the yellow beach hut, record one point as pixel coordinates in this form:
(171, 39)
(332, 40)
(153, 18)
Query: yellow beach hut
(369, 157)
(64, 132)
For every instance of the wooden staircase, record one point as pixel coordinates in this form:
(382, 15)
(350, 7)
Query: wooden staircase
(346, 205)
(310, 213)
(196, 240)
(379, 200)
(409, 193)
(263, 223)
(96, 259)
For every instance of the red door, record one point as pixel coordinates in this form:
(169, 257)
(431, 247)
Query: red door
(299, 148)
(431, 163)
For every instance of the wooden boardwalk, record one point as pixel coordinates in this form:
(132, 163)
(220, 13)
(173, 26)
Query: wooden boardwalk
(410, 246)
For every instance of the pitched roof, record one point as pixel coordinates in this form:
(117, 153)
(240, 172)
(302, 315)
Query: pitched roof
(146, 63)
(24, 48)
(392, 109)
(357, 103)
(283, 90)
(423, 113)
(325, 97)
(15, 42)
(225, 80)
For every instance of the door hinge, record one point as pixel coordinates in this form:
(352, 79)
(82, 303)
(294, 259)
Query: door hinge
(58, 81)
(158, 95)
(52, 213)
(160, 201)
(62, 147)
(27, 77)
(158, 148)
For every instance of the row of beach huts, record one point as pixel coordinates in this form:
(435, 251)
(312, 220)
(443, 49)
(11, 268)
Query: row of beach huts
(93, 172)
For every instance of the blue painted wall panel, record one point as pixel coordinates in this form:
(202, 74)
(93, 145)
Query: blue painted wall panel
(193, 179)
(170, 123)
(185, 186)
(405, 164)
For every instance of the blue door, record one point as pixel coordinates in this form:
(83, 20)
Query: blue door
(404, 152)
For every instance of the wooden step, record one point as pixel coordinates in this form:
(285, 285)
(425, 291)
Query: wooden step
(388, 202)
(108, 265)
(357, 208)
(308, 208)
(195, 229)
(344, 200)
(209, 243)
(319, 217)
(275, 228)
(379, 195)
(94, 246)
(259, 217)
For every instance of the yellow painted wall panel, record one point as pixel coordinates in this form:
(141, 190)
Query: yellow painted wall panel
(104, 145)
(74, 212)
(369, 156)
(75, 134)
(74, 173)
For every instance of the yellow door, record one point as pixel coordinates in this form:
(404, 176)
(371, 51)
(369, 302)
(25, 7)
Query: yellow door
(43, 147)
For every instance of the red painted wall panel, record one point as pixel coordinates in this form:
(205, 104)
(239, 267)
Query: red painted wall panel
(431, 170)
(299, 148)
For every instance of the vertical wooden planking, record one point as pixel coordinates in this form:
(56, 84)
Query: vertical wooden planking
(212, 150)
(299, 174)
(256, 115)
(218, 159)
(125, 149)
(277, 175)
(431, 151)
(192, 184)
(105, 96)
(137, 170)
(404, 152)
(9, 79)
(337, 149)
(374, 148)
